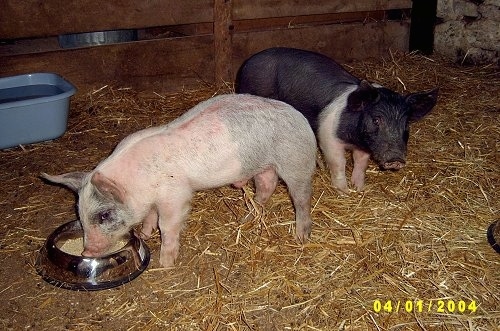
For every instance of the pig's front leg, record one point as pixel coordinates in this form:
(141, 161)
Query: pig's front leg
(149, 224)
(361, 159)
(334, 153)
(172, 213)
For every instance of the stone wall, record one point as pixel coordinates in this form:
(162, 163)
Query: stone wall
(468, 31)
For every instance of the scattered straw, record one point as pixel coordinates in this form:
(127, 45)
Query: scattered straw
(416, 237)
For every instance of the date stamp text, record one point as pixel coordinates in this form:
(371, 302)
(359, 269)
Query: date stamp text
(425, 306)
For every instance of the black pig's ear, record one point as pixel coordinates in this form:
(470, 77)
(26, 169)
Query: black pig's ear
(72, 180)
(364, 96)
(421, 103)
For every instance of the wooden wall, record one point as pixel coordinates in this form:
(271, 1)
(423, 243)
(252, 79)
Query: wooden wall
(185, 44)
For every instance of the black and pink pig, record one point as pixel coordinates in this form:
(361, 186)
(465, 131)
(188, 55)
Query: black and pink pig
(346, 113)
(152, 174)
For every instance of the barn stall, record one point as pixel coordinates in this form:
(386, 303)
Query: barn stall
(409, 252)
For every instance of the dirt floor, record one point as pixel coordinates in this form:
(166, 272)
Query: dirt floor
(407, 253)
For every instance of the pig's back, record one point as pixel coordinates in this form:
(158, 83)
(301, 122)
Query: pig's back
(266, 130)
(243, 113)
(306, 80)
(222, 140)
(235, 136)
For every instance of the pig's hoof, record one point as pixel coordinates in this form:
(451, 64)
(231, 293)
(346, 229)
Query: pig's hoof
(341, 186)
(168, 256)
(358, 185)
(302, 238)
(303, 234)
(343, 191)
(167, 261)
(359, 188)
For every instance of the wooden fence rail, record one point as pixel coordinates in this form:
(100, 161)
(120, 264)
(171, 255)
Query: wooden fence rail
(182, 44)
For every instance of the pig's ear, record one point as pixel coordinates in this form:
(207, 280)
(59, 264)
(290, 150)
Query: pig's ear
(421, 103)
(364, 96)
(73, 180)
(108, 187)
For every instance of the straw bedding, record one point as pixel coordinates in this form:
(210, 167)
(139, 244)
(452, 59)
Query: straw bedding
(416, 236)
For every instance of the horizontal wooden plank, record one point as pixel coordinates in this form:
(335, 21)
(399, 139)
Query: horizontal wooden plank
(243, 9)
(342, 42)
(159, 65)
(36, 18)
(323, 19)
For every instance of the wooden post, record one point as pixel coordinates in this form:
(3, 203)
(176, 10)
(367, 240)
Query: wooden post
(222, 40)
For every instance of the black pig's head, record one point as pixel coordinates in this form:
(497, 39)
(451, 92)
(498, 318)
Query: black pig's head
(383, 126)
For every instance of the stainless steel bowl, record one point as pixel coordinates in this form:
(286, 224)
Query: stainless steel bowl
(493, 235)
(77, 272)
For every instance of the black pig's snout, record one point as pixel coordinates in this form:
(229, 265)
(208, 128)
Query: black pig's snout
(394, 164)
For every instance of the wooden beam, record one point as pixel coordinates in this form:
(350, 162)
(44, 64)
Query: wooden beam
(159, 65)
(342, 42)
(190, 43)
(320, 19)
(244, 9)
(222, 40)
(36, 18)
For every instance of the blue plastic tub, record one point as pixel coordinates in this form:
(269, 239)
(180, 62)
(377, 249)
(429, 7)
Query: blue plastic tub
(33, 108)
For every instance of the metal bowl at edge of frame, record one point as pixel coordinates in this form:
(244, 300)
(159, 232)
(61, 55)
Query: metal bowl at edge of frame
(76, 272)
(493, 235)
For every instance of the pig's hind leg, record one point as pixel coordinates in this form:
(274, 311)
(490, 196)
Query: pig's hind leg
(300, 190)
(265, 184)
(172, 214)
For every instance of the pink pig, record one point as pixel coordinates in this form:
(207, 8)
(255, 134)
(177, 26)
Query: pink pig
(152, 174)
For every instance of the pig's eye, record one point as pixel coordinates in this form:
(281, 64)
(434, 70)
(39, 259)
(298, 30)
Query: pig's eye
(104, 216)
(377, 121)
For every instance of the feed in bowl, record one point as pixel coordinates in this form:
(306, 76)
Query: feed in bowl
(74, 246)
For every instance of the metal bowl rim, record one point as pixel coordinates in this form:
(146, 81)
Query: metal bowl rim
(88, 286)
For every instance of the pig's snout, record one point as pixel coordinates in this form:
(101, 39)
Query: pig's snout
(395, 164)
(95, 250)
(90, 253)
